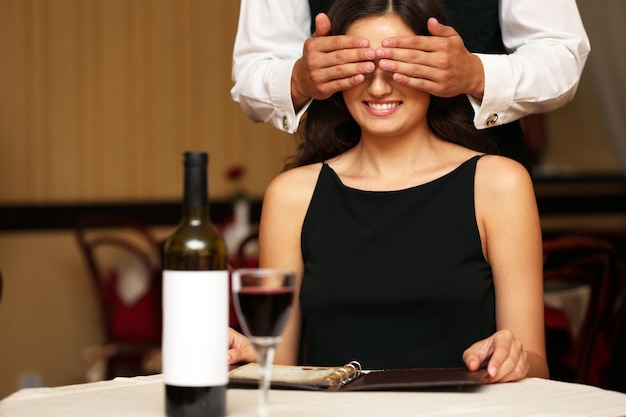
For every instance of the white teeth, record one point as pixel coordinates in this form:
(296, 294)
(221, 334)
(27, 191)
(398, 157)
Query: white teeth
(383, 106)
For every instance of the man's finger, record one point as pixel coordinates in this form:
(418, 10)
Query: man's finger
(437, 29)
(322, 25)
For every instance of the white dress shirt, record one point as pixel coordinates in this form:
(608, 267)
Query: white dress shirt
(545, 39)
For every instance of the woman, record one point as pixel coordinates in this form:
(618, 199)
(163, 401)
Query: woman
(413, 248)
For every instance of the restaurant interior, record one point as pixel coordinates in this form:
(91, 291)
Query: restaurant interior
(98, 101)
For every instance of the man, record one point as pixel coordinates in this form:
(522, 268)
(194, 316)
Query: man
(510, 57)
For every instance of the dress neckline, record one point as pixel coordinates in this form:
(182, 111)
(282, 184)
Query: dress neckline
(425, 184)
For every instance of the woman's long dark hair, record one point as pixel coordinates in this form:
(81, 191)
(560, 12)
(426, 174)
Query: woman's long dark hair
(329, 129)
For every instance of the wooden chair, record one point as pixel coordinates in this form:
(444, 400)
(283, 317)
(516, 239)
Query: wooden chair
(244, 260)
(614, 376)
(591, 261)
(124, 262)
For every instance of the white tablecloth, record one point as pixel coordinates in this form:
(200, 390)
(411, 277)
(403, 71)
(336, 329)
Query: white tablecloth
(573, 302)
(143, 396)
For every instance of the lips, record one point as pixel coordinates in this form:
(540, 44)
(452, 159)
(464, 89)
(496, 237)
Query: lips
(382, 109)
(383, 106)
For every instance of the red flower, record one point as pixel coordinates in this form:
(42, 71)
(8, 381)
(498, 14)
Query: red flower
(235, 172)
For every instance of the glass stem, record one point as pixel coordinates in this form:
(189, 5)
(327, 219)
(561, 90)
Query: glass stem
(265, 358)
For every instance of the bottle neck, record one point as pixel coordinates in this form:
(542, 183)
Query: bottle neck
(195, 197)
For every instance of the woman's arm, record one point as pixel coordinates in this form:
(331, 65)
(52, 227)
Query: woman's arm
(508, 219)
(285, 204)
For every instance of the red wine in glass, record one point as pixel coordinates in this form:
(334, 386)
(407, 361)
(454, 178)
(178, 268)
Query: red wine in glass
(262, 299)
(265, 310)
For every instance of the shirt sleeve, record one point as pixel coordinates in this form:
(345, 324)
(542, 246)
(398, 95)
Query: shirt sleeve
(547, 49)
(270, 37)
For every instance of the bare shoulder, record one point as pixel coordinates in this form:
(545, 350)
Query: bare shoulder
(295, 186)
(505, 202)
(499, 175)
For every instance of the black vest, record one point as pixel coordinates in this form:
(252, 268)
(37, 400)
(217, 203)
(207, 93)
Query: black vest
(478, 24)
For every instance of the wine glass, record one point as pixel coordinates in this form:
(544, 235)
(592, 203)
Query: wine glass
(262, 299)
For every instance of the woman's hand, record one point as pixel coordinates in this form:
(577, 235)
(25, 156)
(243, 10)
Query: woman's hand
(239, 348)
(503, 354)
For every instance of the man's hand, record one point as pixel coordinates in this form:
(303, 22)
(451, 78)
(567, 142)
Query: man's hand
(438, 64)
(329, 64)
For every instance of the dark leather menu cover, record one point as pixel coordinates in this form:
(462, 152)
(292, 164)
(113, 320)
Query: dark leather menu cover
(407, 379)
(351, 378)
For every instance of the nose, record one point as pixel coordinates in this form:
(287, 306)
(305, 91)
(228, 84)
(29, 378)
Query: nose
(380, 83)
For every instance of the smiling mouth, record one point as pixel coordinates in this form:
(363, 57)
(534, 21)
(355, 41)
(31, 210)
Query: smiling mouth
(383, 106)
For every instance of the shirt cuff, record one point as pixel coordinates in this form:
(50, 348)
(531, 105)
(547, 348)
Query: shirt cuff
(280, 94)
(498, 95)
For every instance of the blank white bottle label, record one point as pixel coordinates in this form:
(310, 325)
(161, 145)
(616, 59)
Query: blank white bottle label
(195, 328)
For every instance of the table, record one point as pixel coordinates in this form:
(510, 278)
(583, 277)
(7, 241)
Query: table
(143, 396)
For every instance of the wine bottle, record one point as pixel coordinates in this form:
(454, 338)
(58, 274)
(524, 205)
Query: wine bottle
(195, 305)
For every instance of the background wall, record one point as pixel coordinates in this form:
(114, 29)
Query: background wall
(98, 99)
